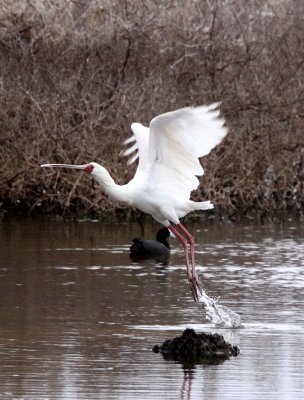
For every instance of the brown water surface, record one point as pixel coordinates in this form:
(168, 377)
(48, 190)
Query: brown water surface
(78, 319)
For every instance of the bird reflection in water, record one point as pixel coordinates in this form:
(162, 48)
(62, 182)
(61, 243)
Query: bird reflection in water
(185, 393)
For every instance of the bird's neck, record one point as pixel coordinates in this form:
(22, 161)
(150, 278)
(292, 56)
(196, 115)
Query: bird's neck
(113, 190)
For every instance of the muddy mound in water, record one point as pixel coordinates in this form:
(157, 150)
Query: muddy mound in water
(197, 348)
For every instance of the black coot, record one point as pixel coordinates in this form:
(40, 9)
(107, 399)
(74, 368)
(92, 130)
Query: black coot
(146, 249)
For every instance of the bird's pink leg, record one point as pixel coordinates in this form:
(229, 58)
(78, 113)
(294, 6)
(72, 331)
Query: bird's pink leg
(191, 279)
(185, 246)
(191, 242)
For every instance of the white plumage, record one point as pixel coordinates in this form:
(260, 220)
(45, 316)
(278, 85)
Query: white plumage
(167, 170)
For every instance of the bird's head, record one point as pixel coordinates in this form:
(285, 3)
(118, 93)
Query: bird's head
(97, 171)
(88, 168)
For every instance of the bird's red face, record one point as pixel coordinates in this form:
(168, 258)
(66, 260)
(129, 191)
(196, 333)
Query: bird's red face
(89, 168)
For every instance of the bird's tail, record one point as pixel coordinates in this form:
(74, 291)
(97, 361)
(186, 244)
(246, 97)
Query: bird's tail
(201, 205)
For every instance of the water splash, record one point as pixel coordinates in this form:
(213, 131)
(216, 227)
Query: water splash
(218, 314)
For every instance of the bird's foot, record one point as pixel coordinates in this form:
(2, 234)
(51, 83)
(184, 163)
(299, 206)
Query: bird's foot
(195, 288)
(194, 282)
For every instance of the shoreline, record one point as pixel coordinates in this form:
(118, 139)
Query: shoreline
(126, 215)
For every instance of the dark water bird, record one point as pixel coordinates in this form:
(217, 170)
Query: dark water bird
(168, 165)
(158, 249)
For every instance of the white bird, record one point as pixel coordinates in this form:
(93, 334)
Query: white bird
(167, 170)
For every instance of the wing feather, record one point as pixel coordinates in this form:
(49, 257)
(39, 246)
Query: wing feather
(177, 140)
(140, 147)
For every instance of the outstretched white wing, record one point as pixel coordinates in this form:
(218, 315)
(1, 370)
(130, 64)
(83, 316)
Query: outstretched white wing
(168, 151)
(177, 140)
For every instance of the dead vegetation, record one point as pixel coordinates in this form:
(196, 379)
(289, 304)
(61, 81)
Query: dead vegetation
(75, 74)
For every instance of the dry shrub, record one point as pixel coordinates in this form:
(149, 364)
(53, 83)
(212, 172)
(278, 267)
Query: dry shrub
(75, 75)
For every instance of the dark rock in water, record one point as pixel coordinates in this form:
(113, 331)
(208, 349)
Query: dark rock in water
(197, 348)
